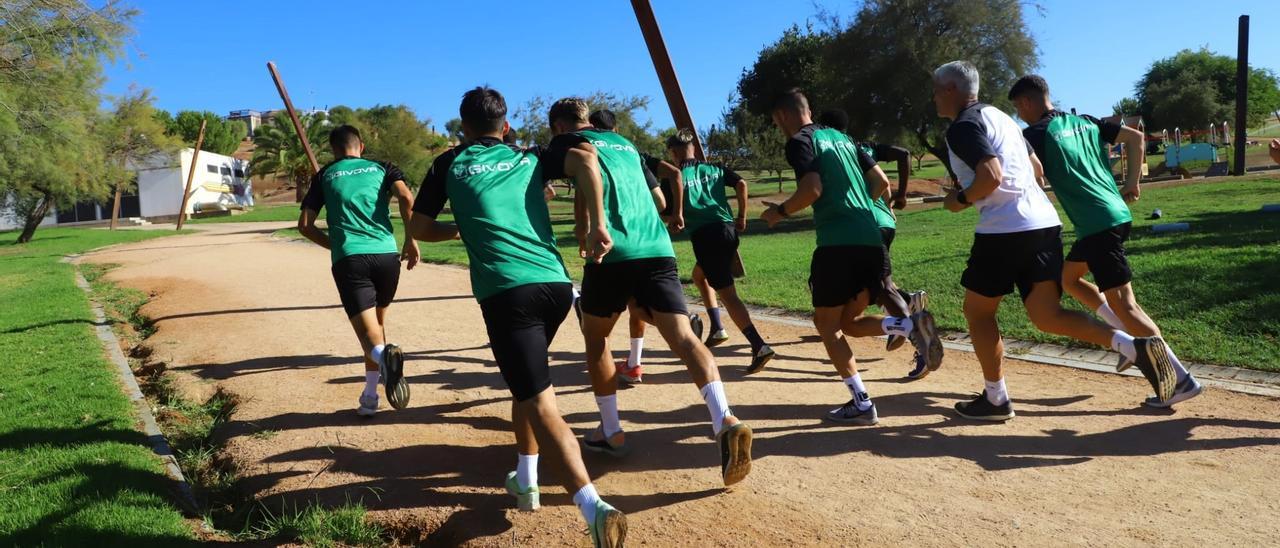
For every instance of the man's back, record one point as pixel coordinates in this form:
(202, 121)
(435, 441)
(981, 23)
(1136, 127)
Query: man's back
(1018, 204)
(355, 194)
(1074, 154)
(843, 213)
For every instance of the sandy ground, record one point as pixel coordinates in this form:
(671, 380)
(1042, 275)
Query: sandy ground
(1083, 464)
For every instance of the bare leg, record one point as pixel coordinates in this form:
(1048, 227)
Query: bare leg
(735, 307)
(890, 300)
(549, 429)
(635, 321)
(984, 331)
(679, 336)
(595, 332)
(1080, 289)
(1125, 304)
(827, 320)
(522, 426)
(704, 288)
(369, 330)
(1044, 308)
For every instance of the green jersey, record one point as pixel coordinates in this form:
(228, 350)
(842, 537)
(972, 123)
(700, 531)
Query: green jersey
(884, 216)
(705, 201)
(1074, 152)
(356, 195)
(633, 222)
(495, 192)
(843, 214)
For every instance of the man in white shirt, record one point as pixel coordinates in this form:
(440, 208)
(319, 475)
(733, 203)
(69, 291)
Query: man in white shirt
(1018, 243)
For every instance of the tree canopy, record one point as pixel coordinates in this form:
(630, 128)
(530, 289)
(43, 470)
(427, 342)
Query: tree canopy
(531, 119)
(1193, 89)
(392, 133)
(221, 136)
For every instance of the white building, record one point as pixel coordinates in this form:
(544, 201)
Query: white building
(221, 182)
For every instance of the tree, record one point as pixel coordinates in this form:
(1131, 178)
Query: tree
(532, 118)
(279, 152)
(1127, 106)
(391, 133)
(453, 129)
(1178, 79)
(221, 136)
(748, 140)
(794, 60)
(131, 135)
(50, 72)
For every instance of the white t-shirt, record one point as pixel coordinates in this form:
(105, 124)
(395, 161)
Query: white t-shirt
(1018, 204)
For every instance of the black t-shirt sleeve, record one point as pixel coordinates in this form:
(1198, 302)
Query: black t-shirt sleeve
(314, 199)
(969, 142)
(553, 155)
(432, 195)
(649, 178)
(1109, 131)
(865, 161)
(801, 156)
(1034, 134)
(731, 177)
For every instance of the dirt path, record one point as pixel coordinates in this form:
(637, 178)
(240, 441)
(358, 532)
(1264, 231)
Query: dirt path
(1081, 465)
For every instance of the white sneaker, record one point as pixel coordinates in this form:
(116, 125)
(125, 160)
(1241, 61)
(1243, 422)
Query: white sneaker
(368, 405)
(1185, 390)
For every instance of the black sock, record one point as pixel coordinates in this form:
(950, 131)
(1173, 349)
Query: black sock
(906, 297)
(754, 337)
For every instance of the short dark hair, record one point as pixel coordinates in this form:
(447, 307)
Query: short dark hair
(510, 137)
(681, 138)
(603, 119)
(834, 118)
(1032, 85)
(483, 109)
(344, 137)
(569, 109)
(791, 100)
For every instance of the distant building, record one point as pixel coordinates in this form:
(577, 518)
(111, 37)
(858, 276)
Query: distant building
(255, 118)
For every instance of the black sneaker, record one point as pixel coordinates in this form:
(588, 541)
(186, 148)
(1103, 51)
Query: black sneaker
(695, 323)
(760, 357)
(981, 409)
(393, 377)
(735, 453)
(577, 308)
(850, 414)
(1153, 361)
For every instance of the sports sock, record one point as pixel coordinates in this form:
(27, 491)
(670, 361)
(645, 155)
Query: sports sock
(897, 326)
(1123, 343)
(714, 314)
(576, 293)
(1178, 368)
(376, 354)
(1108, 315)
(637, 348)
(526, 470)
(609, 414)
(753, 337)
(717, 404)
(997, 394)
(586, 499)
(371, 379)
(859, 392)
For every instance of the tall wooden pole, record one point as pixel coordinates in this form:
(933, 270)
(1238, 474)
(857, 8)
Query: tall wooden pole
(191, 174)
(297, 125)
(666, 71)
(1242, 92)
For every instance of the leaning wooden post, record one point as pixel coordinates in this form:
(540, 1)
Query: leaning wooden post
(666, 71)
(297, 126)
(191, 174)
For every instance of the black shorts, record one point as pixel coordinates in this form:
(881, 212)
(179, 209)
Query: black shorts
(653, 283)
(366, 281)
(1104, 252)
(998, 262)
(886, 236)
(838, 273)
(521, 322)
(714, 247)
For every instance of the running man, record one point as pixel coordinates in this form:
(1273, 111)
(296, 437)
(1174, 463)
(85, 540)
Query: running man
(713, 231)
(850, 260)
(641, 266)
(495, 191)
(1018, 243)
(356, 196)
(918, 301)
(1073, 152)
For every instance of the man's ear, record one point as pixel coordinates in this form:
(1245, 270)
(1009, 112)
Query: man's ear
(506, 127)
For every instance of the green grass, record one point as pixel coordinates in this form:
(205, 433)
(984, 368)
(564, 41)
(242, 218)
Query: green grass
(74, 471)
(316, 526)
(283, 212)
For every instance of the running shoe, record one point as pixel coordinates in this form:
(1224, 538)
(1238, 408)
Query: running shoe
(526, 499)
(921, 369)
(630, 375)
(981, 409)
(609, 529)
(577, 308)
(1187, 389)
(850, 414)
(368, 405)
(614, 446)
(1153, 361)
(695, 323)
(925, 337)
(717, 338)
(760, 357)
(919, 302)
(1123, 363)
(735, 453)
(894, 342)
(393, 377)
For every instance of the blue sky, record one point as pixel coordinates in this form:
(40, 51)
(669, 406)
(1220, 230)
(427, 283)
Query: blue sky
(206, 55)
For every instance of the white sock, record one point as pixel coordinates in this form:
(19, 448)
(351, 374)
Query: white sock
(858, 391)
(1177, 364)
(1123, 343)
(609, 414)
(371, 379)
(896, 326)
(717, 404)
(997, 394)
(586, 499)
(576, 294)
(526, 470)
(637, 348)
(1108, 315)
(376, 354)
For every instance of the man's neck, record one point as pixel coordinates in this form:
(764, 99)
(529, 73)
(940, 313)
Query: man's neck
(350, 154)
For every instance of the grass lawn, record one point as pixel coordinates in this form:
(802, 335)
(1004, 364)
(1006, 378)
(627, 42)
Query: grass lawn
(282, 212)
(74, 471)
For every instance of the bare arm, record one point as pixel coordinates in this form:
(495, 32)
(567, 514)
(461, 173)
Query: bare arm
(987, 176)
(427, 229)
(410, 252)
(740, 188)
(877, 182)
(672, 173)
(808, 190)
(1135, 142)
(580, 163)
(903, 157)
(307, 226)
(1038, 169)
(659, 201)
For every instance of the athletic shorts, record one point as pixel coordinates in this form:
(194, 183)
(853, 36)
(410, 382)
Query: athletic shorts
(653, 283)
(366, 281)
(714, 247)
(1104, 252)
(887, 235)
(999, 262)
(521, 322)
(838, 273)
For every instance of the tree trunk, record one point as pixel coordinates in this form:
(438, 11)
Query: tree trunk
(297, 192)
(115, 208)
(34, 219)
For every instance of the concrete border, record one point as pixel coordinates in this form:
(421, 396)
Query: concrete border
(159, 444)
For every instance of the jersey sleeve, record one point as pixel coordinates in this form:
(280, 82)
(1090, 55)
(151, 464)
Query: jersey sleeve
(432, 195)
(969, 142)
(801, 156)
(1109, 131)
(314, 199)
(552, 156)
(865, 161)
(730, 178)
(1034, 134)
(649, 178)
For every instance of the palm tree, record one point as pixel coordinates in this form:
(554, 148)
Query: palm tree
(279, 152)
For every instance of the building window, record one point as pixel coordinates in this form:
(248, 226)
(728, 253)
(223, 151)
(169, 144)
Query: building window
(212, 168)
(239, 173)
(226, 171)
